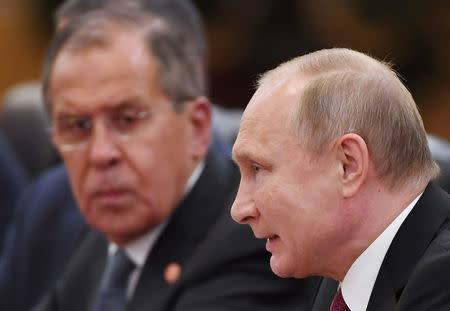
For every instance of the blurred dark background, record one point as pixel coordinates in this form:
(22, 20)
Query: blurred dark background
(248, 37)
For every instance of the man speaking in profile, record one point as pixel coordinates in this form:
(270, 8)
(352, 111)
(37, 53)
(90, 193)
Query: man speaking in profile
(336, 175)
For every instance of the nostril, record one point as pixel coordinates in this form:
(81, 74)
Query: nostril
(113, 162)
(244, 210)
(245, 220)
(240, 216)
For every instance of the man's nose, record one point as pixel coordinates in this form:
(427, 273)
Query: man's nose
(103, 148)
(244, 210)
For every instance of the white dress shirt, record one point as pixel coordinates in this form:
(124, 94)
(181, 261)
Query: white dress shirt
(360, 278)
(139, 249)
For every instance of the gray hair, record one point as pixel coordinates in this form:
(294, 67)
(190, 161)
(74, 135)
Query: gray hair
(182, 75)
(350, 92)
(72, 8)
(182, 14)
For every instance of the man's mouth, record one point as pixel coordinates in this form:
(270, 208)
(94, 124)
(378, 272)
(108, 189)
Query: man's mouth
(272, 242)
(272, 238)
(263, 235)
(110, 195)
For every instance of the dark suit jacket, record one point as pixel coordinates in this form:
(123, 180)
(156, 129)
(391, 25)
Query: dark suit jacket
(46, 225)
(223, 266)
(415, 273)
(12, 183)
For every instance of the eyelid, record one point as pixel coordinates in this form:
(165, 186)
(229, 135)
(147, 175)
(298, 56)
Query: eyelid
(72, 118)
(140, 113)
(255, 167)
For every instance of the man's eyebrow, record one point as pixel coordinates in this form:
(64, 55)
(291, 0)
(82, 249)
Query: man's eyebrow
(234, 157)
(237, 154)
(128, 102)
(244, 155)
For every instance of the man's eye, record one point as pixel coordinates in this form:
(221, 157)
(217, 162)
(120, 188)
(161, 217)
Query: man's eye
(128, 119)
(74, 124)
(256, 169)
(72, 129)
(82, 123)
(125, 121)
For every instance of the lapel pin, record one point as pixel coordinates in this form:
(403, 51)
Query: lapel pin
(172, 272)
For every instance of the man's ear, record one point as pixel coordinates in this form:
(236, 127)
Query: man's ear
(353, 157)
(199, 118)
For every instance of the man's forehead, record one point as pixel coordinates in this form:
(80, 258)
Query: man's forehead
(269, 104)
(113, 39)
(274, 101)
(126, 48)
(117, 72)
(265, 121)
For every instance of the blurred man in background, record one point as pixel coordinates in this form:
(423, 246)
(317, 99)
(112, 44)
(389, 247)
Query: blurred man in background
(125, 91)
(336, 176)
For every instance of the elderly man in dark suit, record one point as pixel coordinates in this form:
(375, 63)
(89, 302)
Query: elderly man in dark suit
(336, 176)
(132, 124)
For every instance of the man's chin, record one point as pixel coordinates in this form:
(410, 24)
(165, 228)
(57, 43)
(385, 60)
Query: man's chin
(279, 268)
(116, 227)
(121, 236)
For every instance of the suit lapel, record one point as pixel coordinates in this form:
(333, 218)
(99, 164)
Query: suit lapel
(408, 246)
(84, 272)
(186, 228)
(325, 294)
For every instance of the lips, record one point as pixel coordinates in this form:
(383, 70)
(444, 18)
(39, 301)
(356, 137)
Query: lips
(272, 237)
(109, 192)
(111, 196)
(264, 235)
(272, 242)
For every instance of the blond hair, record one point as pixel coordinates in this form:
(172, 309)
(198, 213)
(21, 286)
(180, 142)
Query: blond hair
(349, 92)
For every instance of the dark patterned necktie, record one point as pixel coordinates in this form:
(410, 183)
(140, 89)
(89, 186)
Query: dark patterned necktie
(338, 303)
(112, 294)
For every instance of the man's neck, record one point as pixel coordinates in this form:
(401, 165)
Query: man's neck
(377, 207)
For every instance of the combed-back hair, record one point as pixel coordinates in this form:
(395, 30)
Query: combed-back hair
(181, 77)
(72, 8)
(181, 13)
(342, 91)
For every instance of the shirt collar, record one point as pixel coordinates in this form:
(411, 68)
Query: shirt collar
(193, 178)
(359, 281)
(139, 249)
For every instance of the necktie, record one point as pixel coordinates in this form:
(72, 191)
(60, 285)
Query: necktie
(112, 295)
(338, 303)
